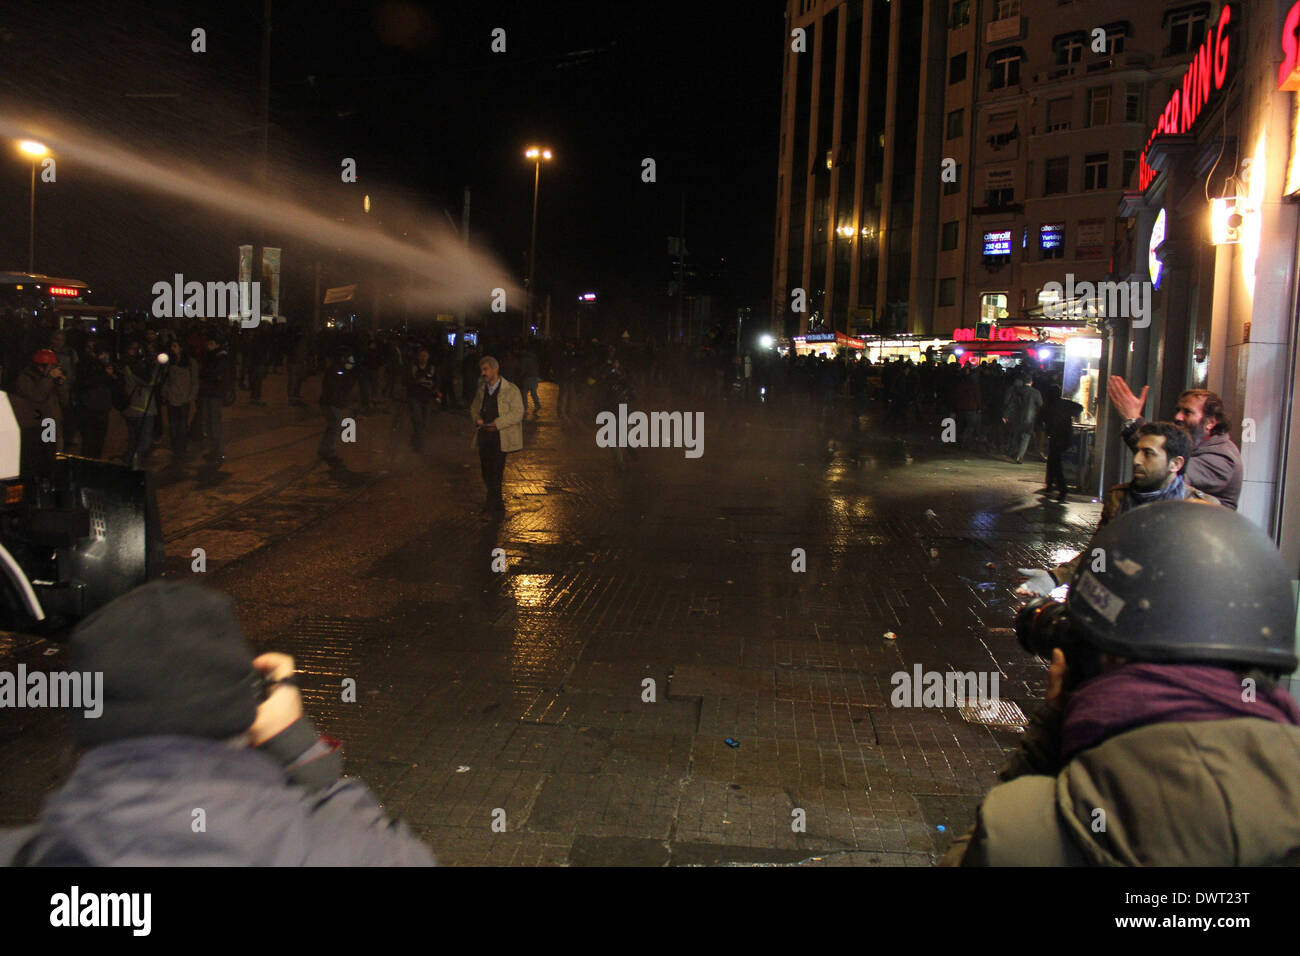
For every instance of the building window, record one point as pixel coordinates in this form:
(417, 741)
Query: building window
(956, 124)
(948, 240)
(998, 198)
(1051, 240)
(1130, 164)
(949, 188)
(1133, 103)
(957, 68)
(1069, 48)
(1007, 8)
(947, 292)
(1115, 39)
(1099, 106)
(993, 306)
(1096, 167)
(1058, 113)
(1186, 27)
(1004, 68)
(1057, 177)
(960, 14)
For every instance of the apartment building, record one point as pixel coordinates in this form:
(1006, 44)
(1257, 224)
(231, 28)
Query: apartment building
(1048, 121)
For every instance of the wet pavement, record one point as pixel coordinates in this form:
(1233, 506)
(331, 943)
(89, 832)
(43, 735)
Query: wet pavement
(576, 707)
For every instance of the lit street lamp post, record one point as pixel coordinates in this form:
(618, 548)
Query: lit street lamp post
(36, 151)
(536, 154)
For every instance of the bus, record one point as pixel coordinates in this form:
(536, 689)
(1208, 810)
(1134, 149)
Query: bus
(53, 303)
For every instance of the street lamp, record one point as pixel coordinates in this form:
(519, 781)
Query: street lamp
(536, 154)
(35, 151)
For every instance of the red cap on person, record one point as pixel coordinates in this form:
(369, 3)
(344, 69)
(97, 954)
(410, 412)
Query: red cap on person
(45, 357)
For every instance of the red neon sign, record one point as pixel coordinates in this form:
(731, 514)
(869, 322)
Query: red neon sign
(995, 335)
(1208, 66)
(1288, 74)
(64, 290)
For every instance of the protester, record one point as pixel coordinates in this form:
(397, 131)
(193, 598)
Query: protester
(1020, 409)
(216, 390)
(179, 391)
(1162, 452)
(421, 394)
(335, 394)
(1058, 416)
(1215, 465)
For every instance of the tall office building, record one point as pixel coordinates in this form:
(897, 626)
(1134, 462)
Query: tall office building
(861, 128)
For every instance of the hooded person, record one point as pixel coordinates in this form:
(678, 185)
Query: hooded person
(189, 721)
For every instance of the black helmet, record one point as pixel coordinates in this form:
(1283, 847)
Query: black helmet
(1186, 582)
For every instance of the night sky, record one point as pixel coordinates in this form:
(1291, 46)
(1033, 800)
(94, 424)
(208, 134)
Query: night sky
(412, 92)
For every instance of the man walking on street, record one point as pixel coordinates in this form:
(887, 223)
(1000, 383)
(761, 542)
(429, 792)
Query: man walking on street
(1019, 412)
(1215, 464)
(498, 414)
(421, 395)
(216, 389)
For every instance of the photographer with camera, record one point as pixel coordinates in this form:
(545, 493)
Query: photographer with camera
(1165, 739)
(1160, 454)
(40, 394)
(201, 755)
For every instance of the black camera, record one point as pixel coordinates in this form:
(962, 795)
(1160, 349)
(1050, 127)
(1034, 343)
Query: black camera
(1042, 625)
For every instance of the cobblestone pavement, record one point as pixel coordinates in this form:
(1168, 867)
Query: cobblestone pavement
(521, 697)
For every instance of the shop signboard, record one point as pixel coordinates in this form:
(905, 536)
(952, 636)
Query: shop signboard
(1091, 239)
(1204, 77)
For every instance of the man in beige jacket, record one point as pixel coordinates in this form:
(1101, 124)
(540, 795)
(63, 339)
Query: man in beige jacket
(498, 414)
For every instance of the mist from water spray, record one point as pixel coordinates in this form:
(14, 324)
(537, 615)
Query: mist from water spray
(456, 276)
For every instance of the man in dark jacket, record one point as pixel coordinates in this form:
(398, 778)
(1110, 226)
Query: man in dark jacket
(335, 393)
(201, 754)
(39, 397)
(216, 390)
(1215, 465)
(97, 384)
(1166, 739)
(1058, 415)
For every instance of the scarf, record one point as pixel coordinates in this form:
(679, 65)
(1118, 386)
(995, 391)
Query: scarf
(1176, 490)
(1145, 693)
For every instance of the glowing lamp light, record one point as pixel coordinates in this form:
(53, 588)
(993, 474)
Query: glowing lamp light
(33, 149)
(587, 297)
(958, 351)
(765, 341)
(1044, 355)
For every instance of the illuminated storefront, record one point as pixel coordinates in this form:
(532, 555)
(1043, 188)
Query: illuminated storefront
(1217, 224)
